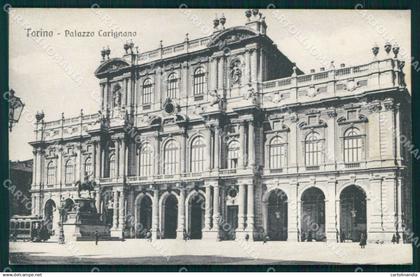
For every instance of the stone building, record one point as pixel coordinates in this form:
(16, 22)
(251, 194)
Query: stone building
(224, 137)
(21, 179)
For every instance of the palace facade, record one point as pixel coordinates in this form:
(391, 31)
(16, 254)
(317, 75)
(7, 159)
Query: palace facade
(223, 137)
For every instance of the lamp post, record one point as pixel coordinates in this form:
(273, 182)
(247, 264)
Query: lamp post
(15, 108)
(61, 239)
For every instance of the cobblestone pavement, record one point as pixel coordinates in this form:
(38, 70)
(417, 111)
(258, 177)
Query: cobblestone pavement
(206, 252)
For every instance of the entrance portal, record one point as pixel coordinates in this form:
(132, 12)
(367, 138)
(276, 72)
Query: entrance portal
(352, 213)
(145, 217)
(170, 217)
(313, 215)
(232, 220)
(197, 208)
(49, 211)
(277, 215)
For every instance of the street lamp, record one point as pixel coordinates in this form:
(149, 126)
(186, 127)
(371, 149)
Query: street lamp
(15, 108)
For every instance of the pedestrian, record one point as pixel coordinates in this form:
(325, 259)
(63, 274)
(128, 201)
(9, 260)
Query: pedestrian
(398, 238)
(96, 237)
(342, 236)
(185, 234)
(247, 237)
(310, 235)
(149, 236)
(362, 240)
(394, 239)
(266, 238)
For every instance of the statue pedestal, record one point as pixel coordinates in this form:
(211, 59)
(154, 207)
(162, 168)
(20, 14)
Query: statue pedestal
(84, 221)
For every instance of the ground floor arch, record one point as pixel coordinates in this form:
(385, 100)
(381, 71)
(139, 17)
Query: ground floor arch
(50, 215)
(170, 217)
(353, 220)
(143, 216)
(277, 212)
(313, 215)
(196, 214)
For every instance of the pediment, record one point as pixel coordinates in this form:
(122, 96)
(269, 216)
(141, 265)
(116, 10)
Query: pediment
(231, 35)
(110, 66)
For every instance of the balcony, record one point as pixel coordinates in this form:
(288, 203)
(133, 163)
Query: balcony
(378, 74)
(352, 165)
(312, 167)
(228, 171)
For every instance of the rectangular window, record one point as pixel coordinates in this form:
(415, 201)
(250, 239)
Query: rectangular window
(312, 120)
(147, 93)
(173, 87)
(351, 115)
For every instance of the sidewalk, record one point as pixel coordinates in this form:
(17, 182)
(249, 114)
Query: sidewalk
(207, 252)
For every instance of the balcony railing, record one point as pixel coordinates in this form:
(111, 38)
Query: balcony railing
(352, 165)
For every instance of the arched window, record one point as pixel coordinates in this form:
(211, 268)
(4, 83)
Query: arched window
(146, 160)
(313, 149)
(69, 172)
(51, 173)
(170, 162)
(112, 168)
(173, 86)
(233, 153)
(353, 149)
(277, 153)
(88, 167)
(197, 155)
(199, 81)
(147, 91)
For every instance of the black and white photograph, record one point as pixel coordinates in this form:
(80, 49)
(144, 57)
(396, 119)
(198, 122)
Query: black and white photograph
(210, 136)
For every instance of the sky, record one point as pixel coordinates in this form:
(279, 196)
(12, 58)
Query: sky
(55, 74)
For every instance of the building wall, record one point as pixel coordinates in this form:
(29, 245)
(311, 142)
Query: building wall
(251, 94)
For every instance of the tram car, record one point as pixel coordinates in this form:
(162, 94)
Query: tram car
(28, 228)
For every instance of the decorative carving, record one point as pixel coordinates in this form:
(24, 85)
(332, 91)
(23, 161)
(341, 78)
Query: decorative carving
(331, 113)
(293, 117)
(351, 85)
(250, 94)
(388, 104)
(235, 71)
(215, 98)
(374, 107)
(312, 92)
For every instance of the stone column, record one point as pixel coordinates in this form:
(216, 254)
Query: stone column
(241, 209)
(123, 159)
(157, 157)
(247, 66)
(181, 214)
(250, 211)
(208, 149)
(35, 169)
(242, 145)
(251, 144)
(292, 212)
(216, 147)
(182, 163)
(79, 170)
(216, 209)
(213, 76)
(207, 217)
(155, 213)
(220, 75)
(330, 212)
(254, 65)
(98, 201)
(121, 221)
(117, 159)
(115, 211)
(96, 160)
(59, 167)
